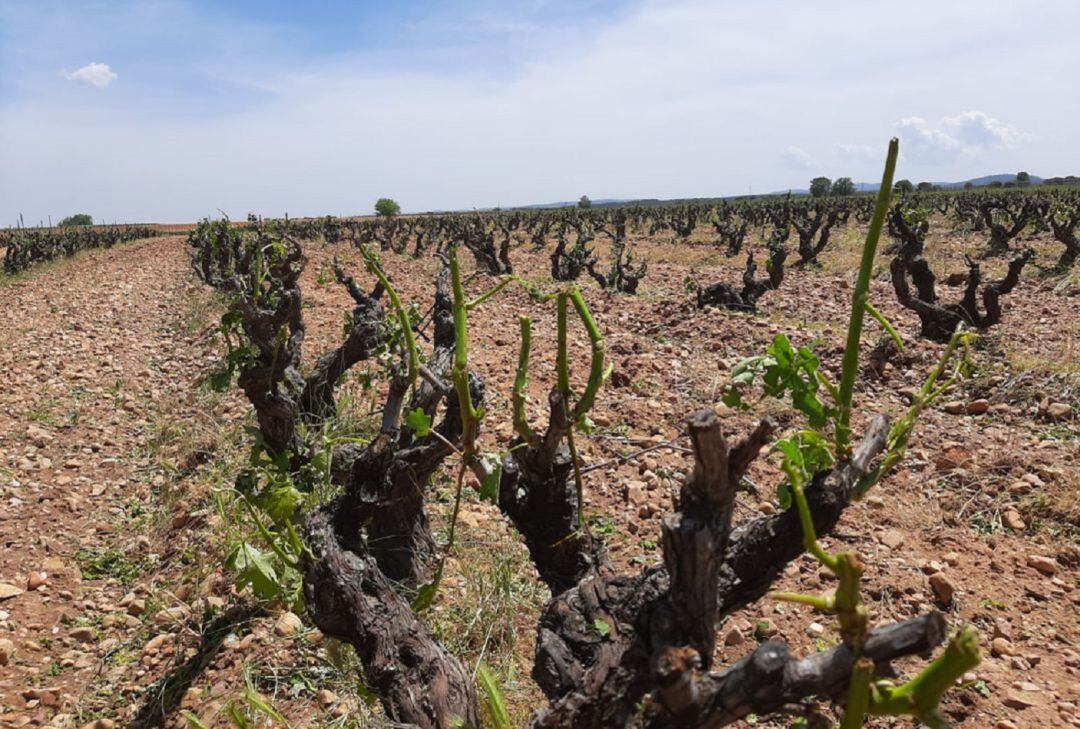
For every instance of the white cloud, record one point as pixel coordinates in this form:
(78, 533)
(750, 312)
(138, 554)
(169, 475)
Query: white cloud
(799, 159)
(98, 75)
(858, 152)
(968, 135)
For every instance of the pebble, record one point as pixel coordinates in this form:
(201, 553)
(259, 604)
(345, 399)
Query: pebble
(156, 644)
(1046, 565)
(8, 590)
(942, 587)
(1017, 700)
(954, 408)
(1002, 647)
(1002, 629)
(171, 615)
(288, 624)
(83, 635)
(1057, 411)
(1012, 520)
(931, 567)
(1019, 488)
(7, 650)
(36, 580)
(978, 407)
(892, 538)
(766, 628)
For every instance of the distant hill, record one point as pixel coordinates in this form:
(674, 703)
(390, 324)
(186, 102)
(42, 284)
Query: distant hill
(987, 179)
(610, 202)
(975, 181)
(596, 203)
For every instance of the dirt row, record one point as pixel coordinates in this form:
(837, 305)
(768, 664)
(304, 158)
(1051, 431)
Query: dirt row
(111, 576)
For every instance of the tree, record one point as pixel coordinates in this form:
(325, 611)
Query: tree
(903, 187)
(969, 185)
(995, 184)
(387, 207)
(1023, 178)
(584, 202)
(925, 186)
(78, 219)
(843, 186)
(820, 186)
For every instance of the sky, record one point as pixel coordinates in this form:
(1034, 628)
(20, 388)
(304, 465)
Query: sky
(173, 110)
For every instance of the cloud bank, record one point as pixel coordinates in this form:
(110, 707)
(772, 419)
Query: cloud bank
(970, 135)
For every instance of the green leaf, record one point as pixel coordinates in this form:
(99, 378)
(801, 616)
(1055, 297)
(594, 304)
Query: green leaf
(260, 703)
(601, 626)
(425, 596)
(495, 703)
(255, 568)
(419, 422)
(236, 716)
(193, 721)
(321, 461)
(489, 489)
(221, 377)
(804, 454)
(280, 500)
(783, 495)
(817, 451)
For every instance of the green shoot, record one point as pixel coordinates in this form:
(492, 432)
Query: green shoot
(859, 300)
(920, 696)
(412, 353)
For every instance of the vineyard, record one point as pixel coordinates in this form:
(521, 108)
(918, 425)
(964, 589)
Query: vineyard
(785, 461)
(26, 248)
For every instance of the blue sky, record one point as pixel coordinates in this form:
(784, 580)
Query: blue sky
(169, 110)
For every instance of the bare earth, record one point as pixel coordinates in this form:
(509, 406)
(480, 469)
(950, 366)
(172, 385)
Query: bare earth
(110, 457)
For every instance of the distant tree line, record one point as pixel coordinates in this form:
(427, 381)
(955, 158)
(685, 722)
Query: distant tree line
(824, 187)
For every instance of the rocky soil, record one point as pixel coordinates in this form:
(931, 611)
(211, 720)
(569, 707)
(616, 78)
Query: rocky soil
(114, 603)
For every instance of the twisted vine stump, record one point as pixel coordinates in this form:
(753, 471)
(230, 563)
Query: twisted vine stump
(939, 321)
(724, 295)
